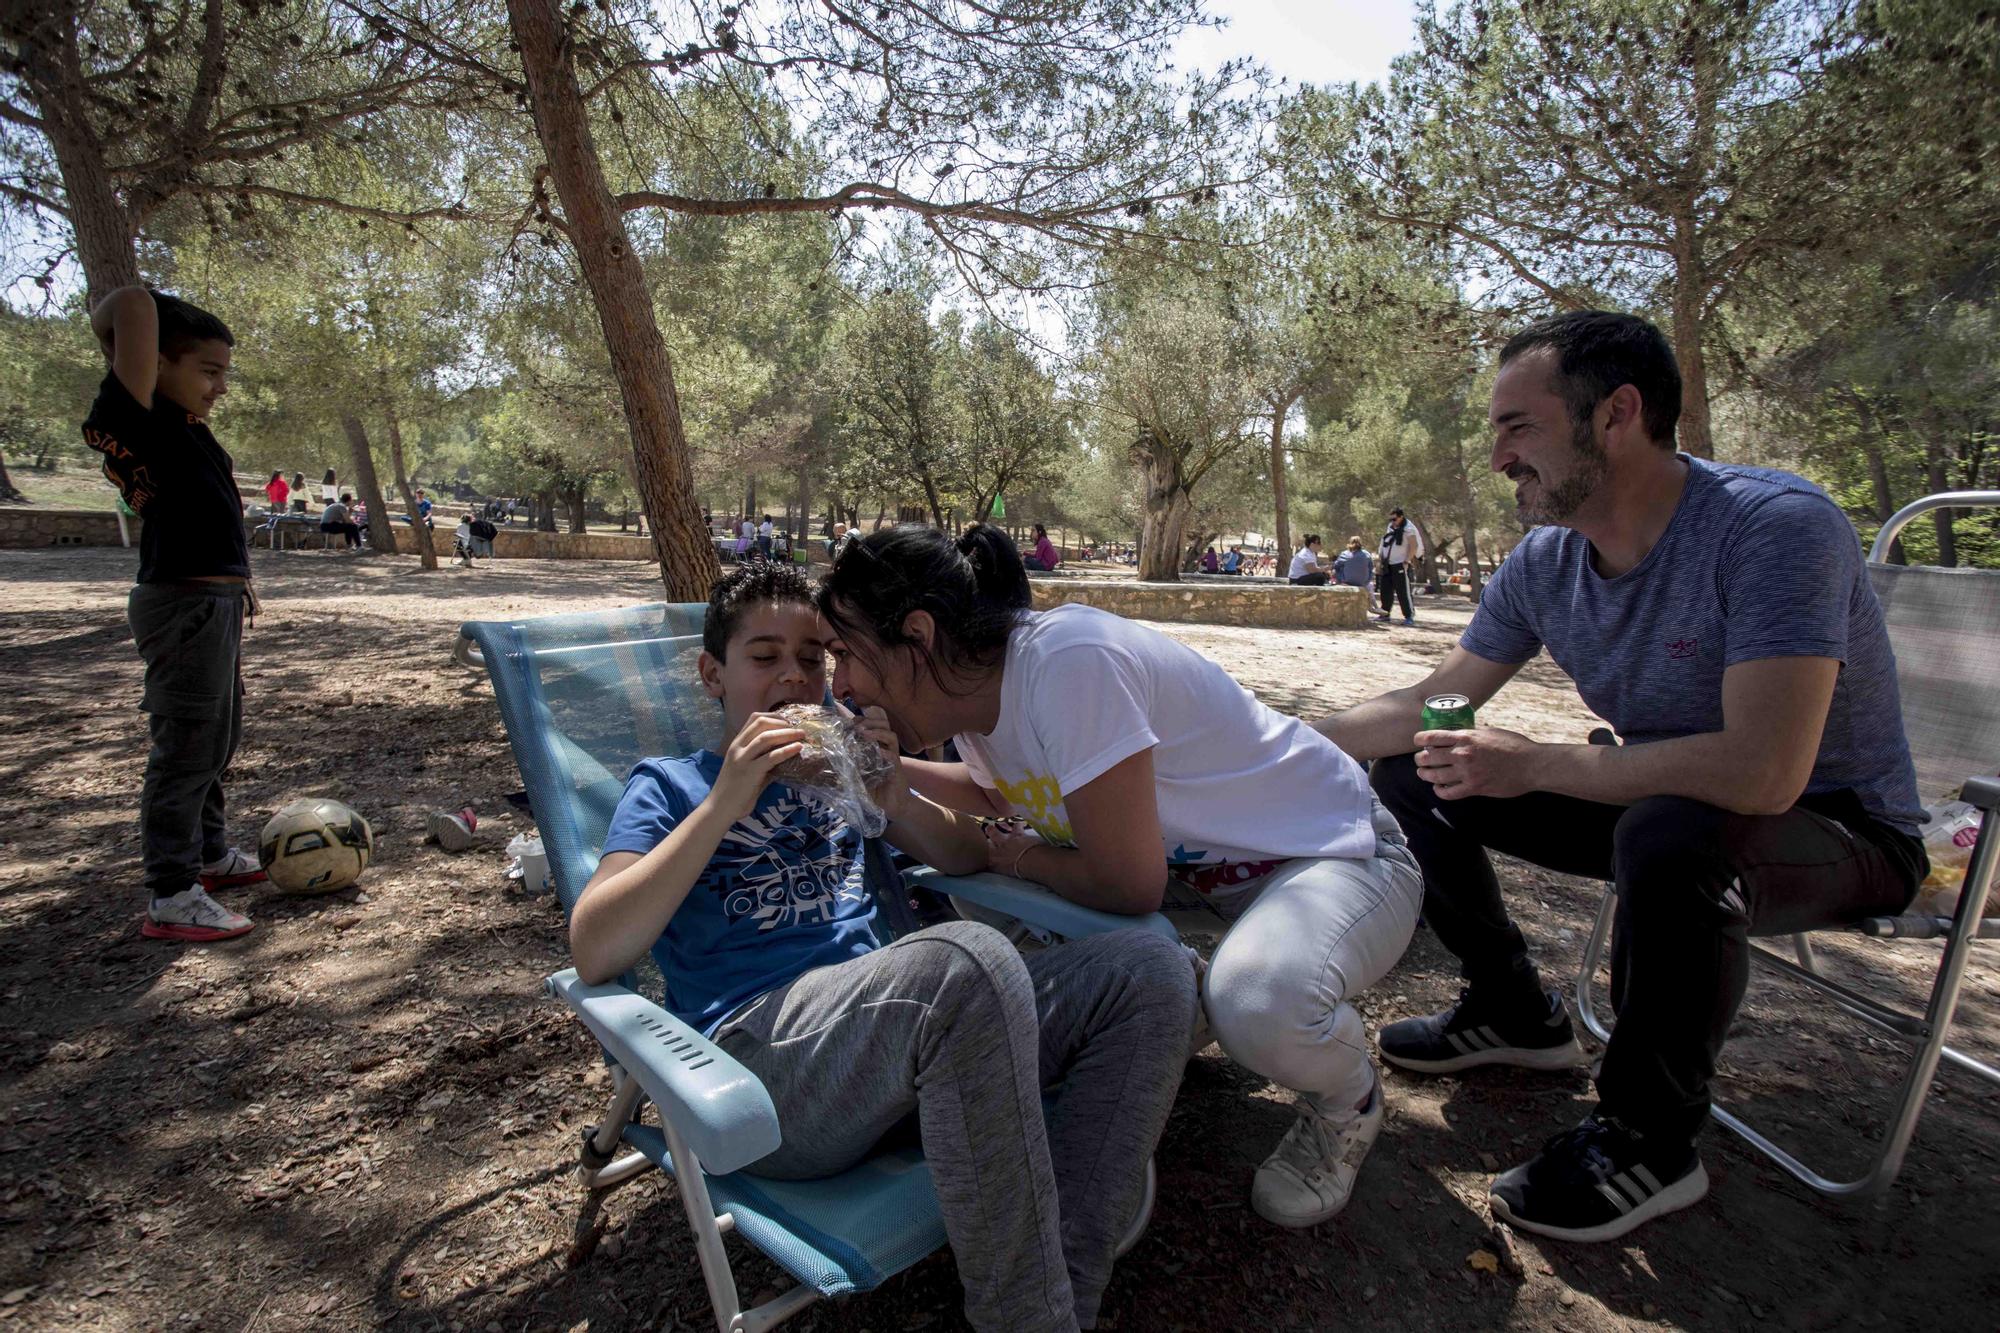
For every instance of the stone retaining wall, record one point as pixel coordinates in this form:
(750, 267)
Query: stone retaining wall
(1258, 603)
(27, 526)
(526, 544)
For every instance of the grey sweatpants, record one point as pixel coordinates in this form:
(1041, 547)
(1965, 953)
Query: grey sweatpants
(191, 638)
(955, 1024)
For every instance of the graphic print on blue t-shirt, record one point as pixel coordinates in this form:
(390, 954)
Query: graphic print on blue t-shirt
(782, 894)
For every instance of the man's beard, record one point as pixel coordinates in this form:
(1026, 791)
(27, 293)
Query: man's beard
(1568, 496)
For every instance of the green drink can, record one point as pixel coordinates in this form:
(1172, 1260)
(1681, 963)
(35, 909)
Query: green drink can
(1447, 712)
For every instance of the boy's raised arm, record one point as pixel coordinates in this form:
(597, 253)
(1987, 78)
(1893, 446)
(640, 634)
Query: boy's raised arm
(127, 325)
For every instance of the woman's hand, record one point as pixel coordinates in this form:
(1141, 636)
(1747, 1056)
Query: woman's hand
(766, 741)
(892, 793)
(1006, 844)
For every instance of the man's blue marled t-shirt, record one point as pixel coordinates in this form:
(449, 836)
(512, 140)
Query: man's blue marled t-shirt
(783, 893)
(1754, 563)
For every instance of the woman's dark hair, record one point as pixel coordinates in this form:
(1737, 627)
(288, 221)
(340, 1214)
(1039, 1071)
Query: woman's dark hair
(327, 480)
(1311, 537)
(733, 596)
(1041, 531)
(275, 475)
(974, 589)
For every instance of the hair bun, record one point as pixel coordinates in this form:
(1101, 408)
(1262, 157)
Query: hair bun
(996, 566)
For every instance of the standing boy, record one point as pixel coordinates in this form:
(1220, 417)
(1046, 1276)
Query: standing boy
(169, 366)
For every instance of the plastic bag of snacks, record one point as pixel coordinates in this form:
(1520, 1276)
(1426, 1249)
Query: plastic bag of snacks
(1950, 829)
(836, 768)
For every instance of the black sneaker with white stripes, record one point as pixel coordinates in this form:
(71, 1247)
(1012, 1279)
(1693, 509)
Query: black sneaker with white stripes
(1598, 1181)
(1473, 1032)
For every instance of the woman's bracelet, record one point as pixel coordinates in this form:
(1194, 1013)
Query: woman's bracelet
(1026, 847)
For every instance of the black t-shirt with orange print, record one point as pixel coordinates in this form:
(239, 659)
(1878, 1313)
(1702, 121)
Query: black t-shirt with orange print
(175, 476)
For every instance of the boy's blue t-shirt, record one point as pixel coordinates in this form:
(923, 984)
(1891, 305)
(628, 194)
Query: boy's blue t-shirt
(783, 893)
(1755, 563)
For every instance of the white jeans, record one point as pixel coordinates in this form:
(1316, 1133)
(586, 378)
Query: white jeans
(1302, 939)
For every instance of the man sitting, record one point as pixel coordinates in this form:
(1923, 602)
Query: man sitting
(1721, 619)
(336, 517)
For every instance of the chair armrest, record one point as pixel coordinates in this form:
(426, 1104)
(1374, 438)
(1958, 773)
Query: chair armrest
(718, 1106)
(1036, 905)
(1982, 792)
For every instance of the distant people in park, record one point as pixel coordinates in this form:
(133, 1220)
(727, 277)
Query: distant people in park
(298, 492)
(1721, 620)
(336, 517)
(765, 531)
(361, 515)
(839, 543)
(746, 537)
(424, 509)
(1232, 560)
(1045, 557)
(277, 492)
(1400, 546)
(1305, 564)
(329, 490)
(1209, 564)
(1354, 567)
(513, 507)
(475, 537)
(169, 366)
(1133, 757)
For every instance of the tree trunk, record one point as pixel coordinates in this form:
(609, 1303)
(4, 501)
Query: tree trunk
(381, 532)
(545, 510)
(1878, 478)
(805, 506)
(98, 220)
(426, 549)
(639, 359)
(1472, 580)
(1694, 428)
(1939, 479)
(8, 491)
(1168, 508)
(1278, 496)
(573, 499)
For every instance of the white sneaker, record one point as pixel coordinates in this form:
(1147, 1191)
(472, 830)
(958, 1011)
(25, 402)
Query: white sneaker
(230, 869)
(193, 916)
(453, 830)
(1310, 1176)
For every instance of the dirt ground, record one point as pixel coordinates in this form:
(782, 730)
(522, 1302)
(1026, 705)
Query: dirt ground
(365, 1114)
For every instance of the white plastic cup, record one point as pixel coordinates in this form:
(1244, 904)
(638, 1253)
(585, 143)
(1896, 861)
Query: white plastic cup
(534, 863)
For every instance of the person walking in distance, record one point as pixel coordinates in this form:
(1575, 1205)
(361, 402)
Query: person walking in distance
(1400, 546)
(169, 368)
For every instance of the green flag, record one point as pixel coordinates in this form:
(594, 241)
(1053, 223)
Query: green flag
(999, 505)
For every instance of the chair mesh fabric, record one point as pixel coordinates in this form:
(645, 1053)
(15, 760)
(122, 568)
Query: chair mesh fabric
(586, 696)
(1945, 627)
(839, 1235)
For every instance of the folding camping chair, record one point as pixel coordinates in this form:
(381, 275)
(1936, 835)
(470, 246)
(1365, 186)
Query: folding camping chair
(1945, 627)
(583, 697)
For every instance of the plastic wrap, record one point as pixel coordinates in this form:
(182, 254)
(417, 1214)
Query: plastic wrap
(837, 767)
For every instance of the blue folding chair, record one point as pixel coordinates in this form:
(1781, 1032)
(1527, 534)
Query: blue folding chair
(584, 697)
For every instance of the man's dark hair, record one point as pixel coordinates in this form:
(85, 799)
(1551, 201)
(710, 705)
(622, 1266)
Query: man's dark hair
(743, 589)
(345, 498)
(975, 589)
(1598, 350)
(183, 324)
(1396, 513)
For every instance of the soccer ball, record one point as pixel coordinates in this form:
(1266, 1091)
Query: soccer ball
(315, 846)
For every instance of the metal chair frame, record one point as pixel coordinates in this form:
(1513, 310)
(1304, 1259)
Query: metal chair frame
(1924, 1034)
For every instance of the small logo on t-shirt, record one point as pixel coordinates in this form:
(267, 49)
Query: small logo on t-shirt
(1682, 648)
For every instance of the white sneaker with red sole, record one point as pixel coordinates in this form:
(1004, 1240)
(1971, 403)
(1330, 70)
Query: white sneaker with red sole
(194, 917)
(231, 870)
(454, 830)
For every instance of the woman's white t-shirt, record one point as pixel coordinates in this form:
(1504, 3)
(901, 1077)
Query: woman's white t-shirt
(1305, 561)
(1084, 689)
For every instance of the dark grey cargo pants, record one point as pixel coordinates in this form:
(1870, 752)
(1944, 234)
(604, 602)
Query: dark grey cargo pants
(190, 636)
